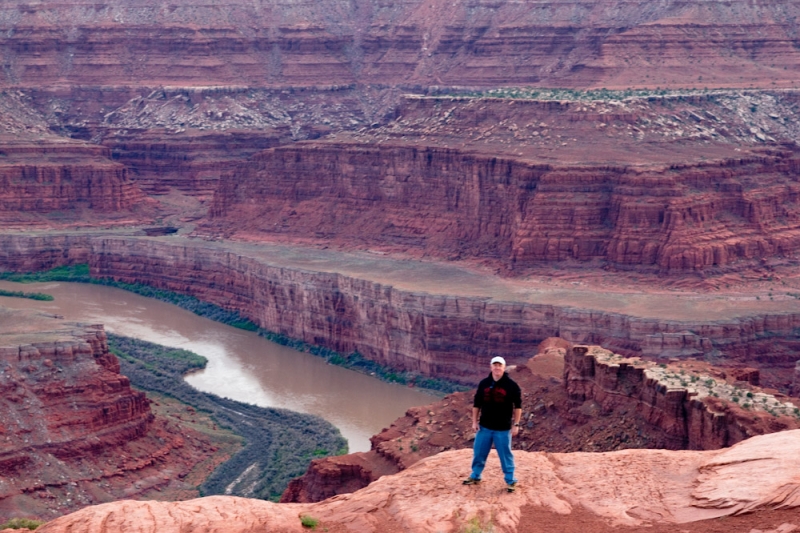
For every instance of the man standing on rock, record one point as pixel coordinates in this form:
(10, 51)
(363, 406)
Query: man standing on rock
(498, 401)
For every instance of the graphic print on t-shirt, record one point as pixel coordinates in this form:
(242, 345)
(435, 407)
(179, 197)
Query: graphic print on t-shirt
(494, 394)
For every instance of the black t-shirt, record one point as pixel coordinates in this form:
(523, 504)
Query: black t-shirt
(497, 401)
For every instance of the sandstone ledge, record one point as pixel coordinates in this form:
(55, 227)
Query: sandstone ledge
(694, 410)
(630, 487)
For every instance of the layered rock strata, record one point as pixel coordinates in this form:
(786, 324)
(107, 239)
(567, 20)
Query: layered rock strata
(693, 410)
(63, 399)
(74, 432)
(432, 334)
(27, 252)
(185, 137)
(189, 163)
(466, 43)
(519, 212)
(57, 182)
(63, 390)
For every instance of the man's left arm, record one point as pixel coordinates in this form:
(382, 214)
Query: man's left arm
(515, 419)
(517, 413)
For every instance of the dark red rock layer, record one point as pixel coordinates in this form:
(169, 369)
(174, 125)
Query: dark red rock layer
(53, 182)
(193, 163)
(575, 44)
(436, 335)
(448, 203)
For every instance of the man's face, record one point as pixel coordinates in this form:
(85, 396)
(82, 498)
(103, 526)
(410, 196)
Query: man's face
(498, 369)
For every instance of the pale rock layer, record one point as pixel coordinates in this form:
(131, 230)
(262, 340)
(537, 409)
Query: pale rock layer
(629, 487)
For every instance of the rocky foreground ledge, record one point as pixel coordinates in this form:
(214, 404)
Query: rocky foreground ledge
(625, 488)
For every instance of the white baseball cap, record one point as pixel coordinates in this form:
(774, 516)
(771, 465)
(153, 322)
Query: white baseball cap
(499, 359)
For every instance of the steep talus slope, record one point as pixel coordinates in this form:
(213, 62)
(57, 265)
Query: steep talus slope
(630, 487)
(185, 137)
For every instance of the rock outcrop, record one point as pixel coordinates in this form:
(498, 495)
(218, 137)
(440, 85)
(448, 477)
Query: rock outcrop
(630, 487)
(73, 431)
(693, 410)
(59, 182)
(605, 402)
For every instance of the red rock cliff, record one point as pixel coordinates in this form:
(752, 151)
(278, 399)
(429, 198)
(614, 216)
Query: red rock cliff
(466, 43)
(21, 252)
(516, 212)
(63, 399)
(693, 410)
(437, 335)
(72, 430)
(58, 182)
(190, 163)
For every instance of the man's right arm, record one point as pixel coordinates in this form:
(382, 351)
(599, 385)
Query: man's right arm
(475, 412)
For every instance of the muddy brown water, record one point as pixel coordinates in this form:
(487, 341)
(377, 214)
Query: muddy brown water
(241, 365)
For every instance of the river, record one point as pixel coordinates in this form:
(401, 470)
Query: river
(241, 365)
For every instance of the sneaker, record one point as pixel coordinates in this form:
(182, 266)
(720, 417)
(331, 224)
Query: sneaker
(511, 487)
(471, 481)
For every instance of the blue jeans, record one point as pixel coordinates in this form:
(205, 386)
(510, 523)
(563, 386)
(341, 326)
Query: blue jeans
(502, 443)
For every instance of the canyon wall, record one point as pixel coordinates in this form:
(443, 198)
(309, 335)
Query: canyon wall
(58, 180)
(466, 43)
(33, 253)
(63, 400)
(449, 203)
(436, 335)
(686, 419)
(189, 163)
